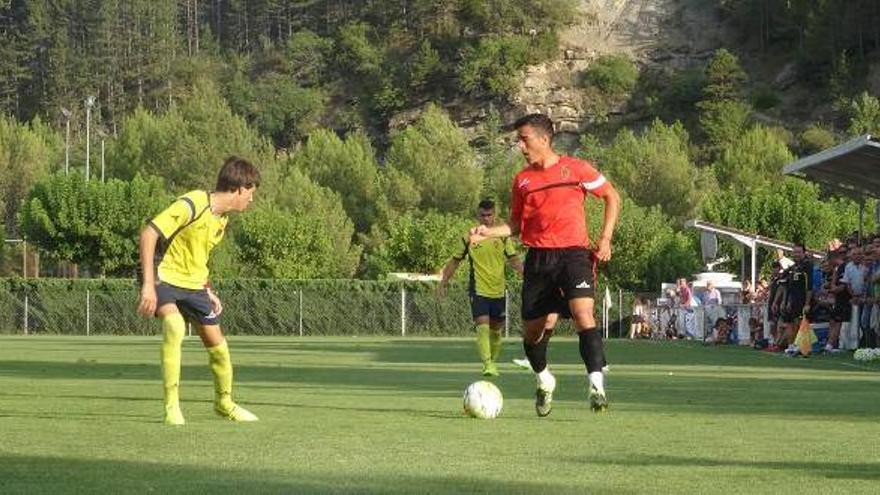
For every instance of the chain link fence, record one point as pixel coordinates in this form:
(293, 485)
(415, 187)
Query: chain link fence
(322, 309)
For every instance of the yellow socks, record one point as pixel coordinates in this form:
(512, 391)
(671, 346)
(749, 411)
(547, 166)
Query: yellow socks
(173, 329)
(221, 367)
(495, 344)
(484, 348)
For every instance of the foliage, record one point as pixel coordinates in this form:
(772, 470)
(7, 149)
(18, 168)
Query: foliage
(754, 160)
(27, 153)
(186, 145)
(655, 169)
(613, 74)
(763, 97)
(283, 110)
(418, 243)
(864, 115)
(646, 249)
(348, 167)
(816, 138)
(788, 209)
(92, 223)
(293, 244)
(433, 159)
(493, 66)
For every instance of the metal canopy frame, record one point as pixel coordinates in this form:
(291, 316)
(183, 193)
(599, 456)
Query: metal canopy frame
(852, 168)
(753, 241)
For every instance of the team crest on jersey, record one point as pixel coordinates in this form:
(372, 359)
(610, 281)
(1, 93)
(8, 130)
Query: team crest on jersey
(565, 172)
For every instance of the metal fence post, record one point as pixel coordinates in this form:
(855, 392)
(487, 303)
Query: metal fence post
(506, 317)
(88, 313)
(25, 313)
(403, 311)
(300, 313)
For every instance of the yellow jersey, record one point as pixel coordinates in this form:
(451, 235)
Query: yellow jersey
(189, 232)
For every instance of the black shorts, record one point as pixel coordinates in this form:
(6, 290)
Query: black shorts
(841, 311)
(552, 277)
(194, 305)
(794, 311)
(493, 307)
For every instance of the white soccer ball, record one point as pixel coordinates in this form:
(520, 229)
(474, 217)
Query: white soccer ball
(482, 400)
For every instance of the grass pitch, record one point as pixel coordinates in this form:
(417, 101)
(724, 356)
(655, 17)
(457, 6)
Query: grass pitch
(376, 415)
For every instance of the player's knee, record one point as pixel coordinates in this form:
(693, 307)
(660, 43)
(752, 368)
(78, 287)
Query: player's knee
(583, 318)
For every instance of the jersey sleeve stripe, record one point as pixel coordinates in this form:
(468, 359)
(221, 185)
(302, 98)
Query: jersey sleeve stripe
(595, 184)
(192, 206)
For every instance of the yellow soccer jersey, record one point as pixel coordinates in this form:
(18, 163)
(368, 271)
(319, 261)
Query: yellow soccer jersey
(487, 259)
(189, 232)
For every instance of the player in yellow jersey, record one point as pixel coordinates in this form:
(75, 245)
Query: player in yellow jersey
(486, 285)
(174, 251)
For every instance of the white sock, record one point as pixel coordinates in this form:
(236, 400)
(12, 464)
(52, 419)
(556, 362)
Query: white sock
(545, 379)
(597, 380)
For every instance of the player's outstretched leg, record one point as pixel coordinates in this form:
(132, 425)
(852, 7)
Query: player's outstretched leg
(593, 354)
(536, 352)
(173, 328)
(221, 367)
(484, 349)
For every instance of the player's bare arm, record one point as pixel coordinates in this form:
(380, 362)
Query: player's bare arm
(148, 239)
(612, 211)
(446, 274)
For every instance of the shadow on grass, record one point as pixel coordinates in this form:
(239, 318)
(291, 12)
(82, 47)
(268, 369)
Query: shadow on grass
(825, 469)
(34, 475)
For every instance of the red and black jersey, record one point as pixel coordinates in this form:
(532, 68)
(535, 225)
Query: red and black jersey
(548, 203)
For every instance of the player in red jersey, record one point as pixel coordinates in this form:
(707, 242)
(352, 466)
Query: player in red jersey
(547, 212)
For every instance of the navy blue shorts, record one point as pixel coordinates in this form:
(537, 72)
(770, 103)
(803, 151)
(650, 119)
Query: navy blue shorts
(493, 307)
(194, 305)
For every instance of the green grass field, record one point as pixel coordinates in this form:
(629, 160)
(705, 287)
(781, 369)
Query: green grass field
(384, 416)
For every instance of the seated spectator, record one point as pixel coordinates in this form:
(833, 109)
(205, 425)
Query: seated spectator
(720, 332)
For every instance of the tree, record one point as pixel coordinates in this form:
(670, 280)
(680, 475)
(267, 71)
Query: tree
(433, 157)
(724, 114)
(755, 159)
(647, 249)
(295, 244)
(92, 223)
(284, 110)
(789, 209)
(28, 152)
(417, 243)
(493, 66)
(187, 144)
(655, 169)
(321, 243)
(864, 115)
(348, 167)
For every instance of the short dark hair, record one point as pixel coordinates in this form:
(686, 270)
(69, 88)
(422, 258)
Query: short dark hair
(237, 172)
(537, 121)
(487, 204)
(799, 244)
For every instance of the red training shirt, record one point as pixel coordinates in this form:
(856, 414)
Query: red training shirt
(548, 204)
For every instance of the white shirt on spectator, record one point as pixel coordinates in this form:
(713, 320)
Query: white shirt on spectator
(712, 296)
(854, 276)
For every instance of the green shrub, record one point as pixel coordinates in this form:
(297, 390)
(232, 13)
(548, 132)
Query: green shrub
(612, 74)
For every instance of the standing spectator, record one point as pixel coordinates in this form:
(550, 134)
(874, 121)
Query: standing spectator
(687, 303)
(782, 260)
(798, 294)
(841, 311)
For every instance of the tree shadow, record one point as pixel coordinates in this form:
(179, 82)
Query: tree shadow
(32, 474)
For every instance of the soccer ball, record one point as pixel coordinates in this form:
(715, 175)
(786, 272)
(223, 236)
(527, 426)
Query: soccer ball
(482, 400)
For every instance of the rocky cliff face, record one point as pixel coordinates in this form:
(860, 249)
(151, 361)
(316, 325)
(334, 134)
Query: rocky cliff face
(675, 33)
